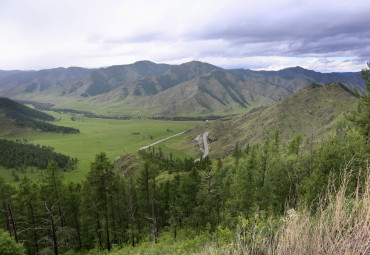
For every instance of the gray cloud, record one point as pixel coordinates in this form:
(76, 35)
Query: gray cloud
(325, 34)
(321, 35)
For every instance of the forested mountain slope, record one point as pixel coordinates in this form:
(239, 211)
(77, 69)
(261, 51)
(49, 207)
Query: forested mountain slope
(14, 115)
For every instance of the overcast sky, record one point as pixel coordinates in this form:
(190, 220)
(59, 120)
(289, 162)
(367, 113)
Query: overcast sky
(321, 35)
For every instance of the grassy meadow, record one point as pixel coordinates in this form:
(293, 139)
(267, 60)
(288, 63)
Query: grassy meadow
(114, 137)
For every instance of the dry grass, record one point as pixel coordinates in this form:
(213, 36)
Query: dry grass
(340, 226)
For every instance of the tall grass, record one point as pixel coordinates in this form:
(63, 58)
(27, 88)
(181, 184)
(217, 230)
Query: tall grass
(340, 226)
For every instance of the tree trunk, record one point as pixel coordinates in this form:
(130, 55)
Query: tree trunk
(132, 235)
(131, 212)
(113, 221)
(154, 219)
(78, 229)
(13, 223)
(106, 217)
(34, 229)
(53, 228)
(6, 214)
(148, 199)
(98, 229)
(57, 194)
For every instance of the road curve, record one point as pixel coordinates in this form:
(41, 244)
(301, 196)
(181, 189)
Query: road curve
(164, 139)
(206, 147)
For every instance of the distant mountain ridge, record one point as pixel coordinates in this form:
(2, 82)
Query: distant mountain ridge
(148, 88)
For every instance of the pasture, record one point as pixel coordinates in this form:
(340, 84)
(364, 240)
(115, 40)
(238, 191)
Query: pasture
(112, 136)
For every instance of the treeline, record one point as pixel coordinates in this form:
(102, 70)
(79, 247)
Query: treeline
(38, 105)
(16, 110)
(48, 107)
(91, 115)
(26, 116)
(170, 164)
(172, 118)
(47, 127)
(192, 118)
(14, 154)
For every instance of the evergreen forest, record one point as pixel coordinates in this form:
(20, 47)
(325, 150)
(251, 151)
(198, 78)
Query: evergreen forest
(24, 116)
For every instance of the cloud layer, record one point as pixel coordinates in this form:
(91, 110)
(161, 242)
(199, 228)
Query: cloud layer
(320, 35)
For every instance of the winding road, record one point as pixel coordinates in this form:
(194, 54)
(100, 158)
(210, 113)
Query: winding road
(206, 147)
(164, 139)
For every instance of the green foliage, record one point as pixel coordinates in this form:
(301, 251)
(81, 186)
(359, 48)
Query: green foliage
(340, 153)
(18, 111)
(237, 153)
(25, 116)
(361, 117)
(47, 127)
(8, 246)
(295, 144)
(14, 154)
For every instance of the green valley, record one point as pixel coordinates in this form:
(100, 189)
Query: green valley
(115, 137)
(288, 161)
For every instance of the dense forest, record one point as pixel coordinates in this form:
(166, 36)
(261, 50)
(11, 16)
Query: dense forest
(19, 111)
(25, 116)
(47, 127)
(18, 154)
(239, 206)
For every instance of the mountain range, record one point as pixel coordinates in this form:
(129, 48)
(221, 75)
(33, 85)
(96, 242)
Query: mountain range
(146, 88)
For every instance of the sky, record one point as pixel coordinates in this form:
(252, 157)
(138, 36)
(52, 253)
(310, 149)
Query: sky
(323, 35)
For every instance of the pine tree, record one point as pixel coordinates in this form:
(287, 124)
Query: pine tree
(99, 180)
(361, 117)
(52, 187)
(73, 209)
(28, 206)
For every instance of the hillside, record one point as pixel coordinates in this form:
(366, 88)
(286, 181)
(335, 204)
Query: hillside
(198, 88)
(313, 111)
(146, 88)
(153, 85)
(16, 110)
(15, 117)
(74, 81)
(218, 92)
(106, 79)
(36, 82)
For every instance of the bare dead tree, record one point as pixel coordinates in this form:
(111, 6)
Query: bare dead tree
(13, 224)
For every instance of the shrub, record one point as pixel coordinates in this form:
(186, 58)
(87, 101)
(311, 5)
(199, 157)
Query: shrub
(8, 246)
